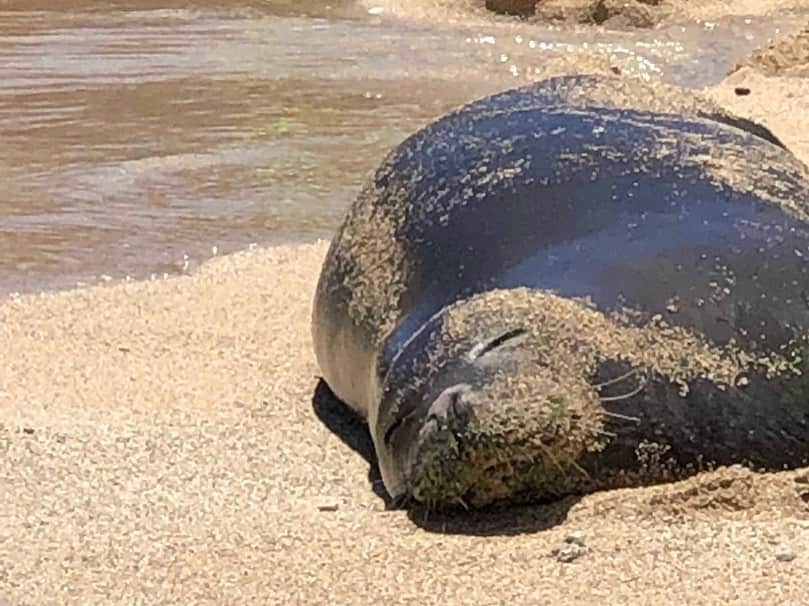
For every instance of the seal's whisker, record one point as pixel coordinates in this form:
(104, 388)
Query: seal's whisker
(607, 434)
(400, 502)
(428, 505)
(548, 454)
(580, 469)
(625, 396)
(615, 380)
(616, 415)
(559, 466)
(462, 503)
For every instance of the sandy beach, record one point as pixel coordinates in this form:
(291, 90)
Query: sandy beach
(159, 445)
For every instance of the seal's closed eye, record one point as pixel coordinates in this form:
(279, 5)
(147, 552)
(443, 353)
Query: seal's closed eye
(482, 349)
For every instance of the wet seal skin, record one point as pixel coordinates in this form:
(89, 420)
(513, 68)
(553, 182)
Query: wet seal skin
(585, 283)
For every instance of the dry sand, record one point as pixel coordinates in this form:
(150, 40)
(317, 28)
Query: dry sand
(158, 445)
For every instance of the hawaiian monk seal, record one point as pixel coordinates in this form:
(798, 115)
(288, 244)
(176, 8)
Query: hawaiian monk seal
(584, 283)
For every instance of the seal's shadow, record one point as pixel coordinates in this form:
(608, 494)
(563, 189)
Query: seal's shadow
(511, 520)
(343, 422)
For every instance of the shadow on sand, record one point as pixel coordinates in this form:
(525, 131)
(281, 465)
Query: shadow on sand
(491, 521)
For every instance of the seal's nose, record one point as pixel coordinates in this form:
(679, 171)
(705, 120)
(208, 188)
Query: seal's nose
(452, 409)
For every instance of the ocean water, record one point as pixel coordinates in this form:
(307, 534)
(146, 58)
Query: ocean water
(140, 138)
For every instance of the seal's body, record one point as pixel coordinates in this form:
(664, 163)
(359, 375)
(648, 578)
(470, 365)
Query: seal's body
(582, 283)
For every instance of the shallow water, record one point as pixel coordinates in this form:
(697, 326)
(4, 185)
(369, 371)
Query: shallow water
(142, 137)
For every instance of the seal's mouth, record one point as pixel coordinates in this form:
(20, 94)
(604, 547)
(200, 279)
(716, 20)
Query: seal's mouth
(476, 469)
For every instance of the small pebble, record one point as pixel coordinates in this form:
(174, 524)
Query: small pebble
(569, 553)
(327, 505)
(572, 549)
(785, 556)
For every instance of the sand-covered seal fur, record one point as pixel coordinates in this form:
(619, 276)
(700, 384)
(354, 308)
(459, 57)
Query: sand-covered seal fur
(582, 283)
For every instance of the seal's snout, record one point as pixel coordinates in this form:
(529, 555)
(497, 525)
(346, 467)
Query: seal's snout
(452, 409)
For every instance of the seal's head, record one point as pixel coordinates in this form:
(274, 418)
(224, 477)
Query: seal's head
(489, 400)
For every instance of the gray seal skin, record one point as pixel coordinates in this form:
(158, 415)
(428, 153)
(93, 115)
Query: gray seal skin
(584, 283)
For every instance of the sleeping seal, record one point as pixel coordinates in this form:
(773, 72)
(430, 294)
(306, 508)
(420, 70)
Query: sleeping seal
(583, 283)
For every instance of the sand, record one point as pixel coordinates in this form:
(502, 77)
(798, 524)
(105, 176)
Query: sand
(771, 87)
(613, 14)
(642, 13)
(784, 57)
(158, 445)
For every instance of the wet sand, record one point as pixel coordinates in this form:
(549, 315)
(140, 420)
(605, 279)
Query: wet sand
(159, 445)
